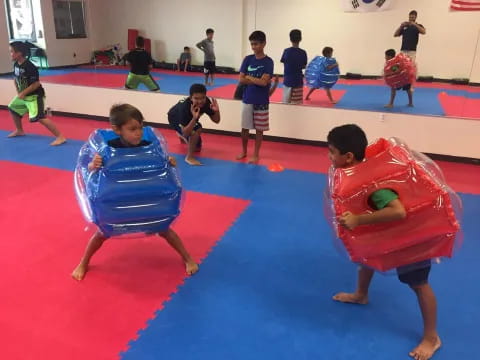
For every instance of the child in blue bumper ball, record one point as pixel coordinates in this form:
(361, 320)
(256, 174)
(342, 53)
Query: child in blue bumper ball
(127, 183)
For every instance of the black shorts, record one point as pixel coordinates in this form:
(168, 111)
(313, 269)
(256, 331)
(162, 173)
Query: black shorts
(209, 67)
(415, 274)
(175, 125)
(405, 88)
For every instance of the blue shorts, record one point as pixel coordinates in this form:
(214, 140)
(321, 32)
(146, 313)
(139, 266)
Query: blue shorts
(415, 274)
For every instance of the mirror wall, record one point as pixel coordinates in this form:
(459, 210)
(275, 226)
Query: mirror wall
(449, 50)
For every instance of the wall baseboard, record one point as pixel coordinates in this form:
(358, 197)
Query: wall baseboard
(440, 157)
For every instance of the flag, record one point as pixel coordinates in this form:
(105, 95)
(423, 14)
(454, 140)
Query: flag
(465, 5)
(366, 5)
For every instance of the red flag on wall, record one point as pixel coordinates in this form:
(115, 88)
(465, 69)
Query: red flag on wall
(465, 5)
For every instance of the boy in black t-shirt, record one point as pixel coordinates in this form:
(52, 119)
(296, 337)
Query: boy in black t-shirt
(30, 95)
(140, 62)
(183, 118)
(409, 31)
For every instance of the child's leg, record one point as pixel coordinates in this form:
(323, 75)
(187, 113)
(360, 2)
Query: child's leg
(258, 143)
(360, 296)
(192, 147)
(206, 75)
(244, 135)
(310, 93)
(175, 242)
(93, 245)
(17, 119)
(329, 94)
(212, 78)
(428, 305)
(186, 66)
(410, 97)
(416, 276)
(49, 124)
(393, 92)
(178, 65)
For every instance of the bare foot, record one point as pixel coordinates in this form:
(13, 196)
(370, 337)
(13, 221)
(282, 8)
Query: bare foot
(16, 133)
(58, 141)
(241, 156)
(191, 267)
(410, 105)
(334, 101)
(389, 106)
(426, 349)
(307, 98)
(351, 298)
(253, 160)
(192, 161)
(79, 272)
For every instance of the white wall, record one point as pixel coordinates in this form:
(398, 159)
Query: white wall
(171, 25)
(61, 51)
(360, 39)
(5, 62)
(300, 122)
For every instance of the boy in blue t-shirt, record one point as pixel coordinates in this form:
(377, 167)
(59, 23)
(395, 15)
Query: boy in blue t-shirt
(347, 146)
(294, 60)
(256, 73)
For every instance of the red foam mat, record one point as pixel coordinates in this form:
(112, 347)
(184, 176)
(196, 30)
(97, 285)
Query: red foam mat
(48, 315)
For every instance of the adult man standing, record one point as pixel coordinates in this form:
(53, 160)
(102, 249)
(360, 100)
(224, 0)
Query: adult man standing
(409, 31)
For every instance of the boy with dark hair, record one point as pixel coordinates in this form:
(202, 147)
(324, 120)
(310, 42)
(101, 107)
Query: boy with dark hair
(184, 119)
(256, 72)
(140, 64)
(294, 60)
(347, 146)
(127, 123)
(390, 54)
(206, 45)
(184, 60)
(30, 95)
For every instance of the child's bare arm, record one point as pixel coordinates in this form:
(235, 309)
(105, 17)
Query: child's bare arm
(393, 211)
(263, 81)
(29, 89)
(216, 115)
(330, 67)
(96, 163)
(244, 79)
(274, 86)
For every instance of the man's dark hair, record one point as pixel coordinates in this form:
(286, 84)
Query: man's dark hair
(209, 31)
(186, 48)
(413, 12)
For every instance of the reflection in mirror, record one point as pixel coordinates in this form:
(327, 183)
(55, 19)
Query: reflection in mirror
(358, 40)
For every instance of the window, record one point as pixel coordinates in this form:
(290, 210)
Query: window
(69, 17)
(21, 25)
